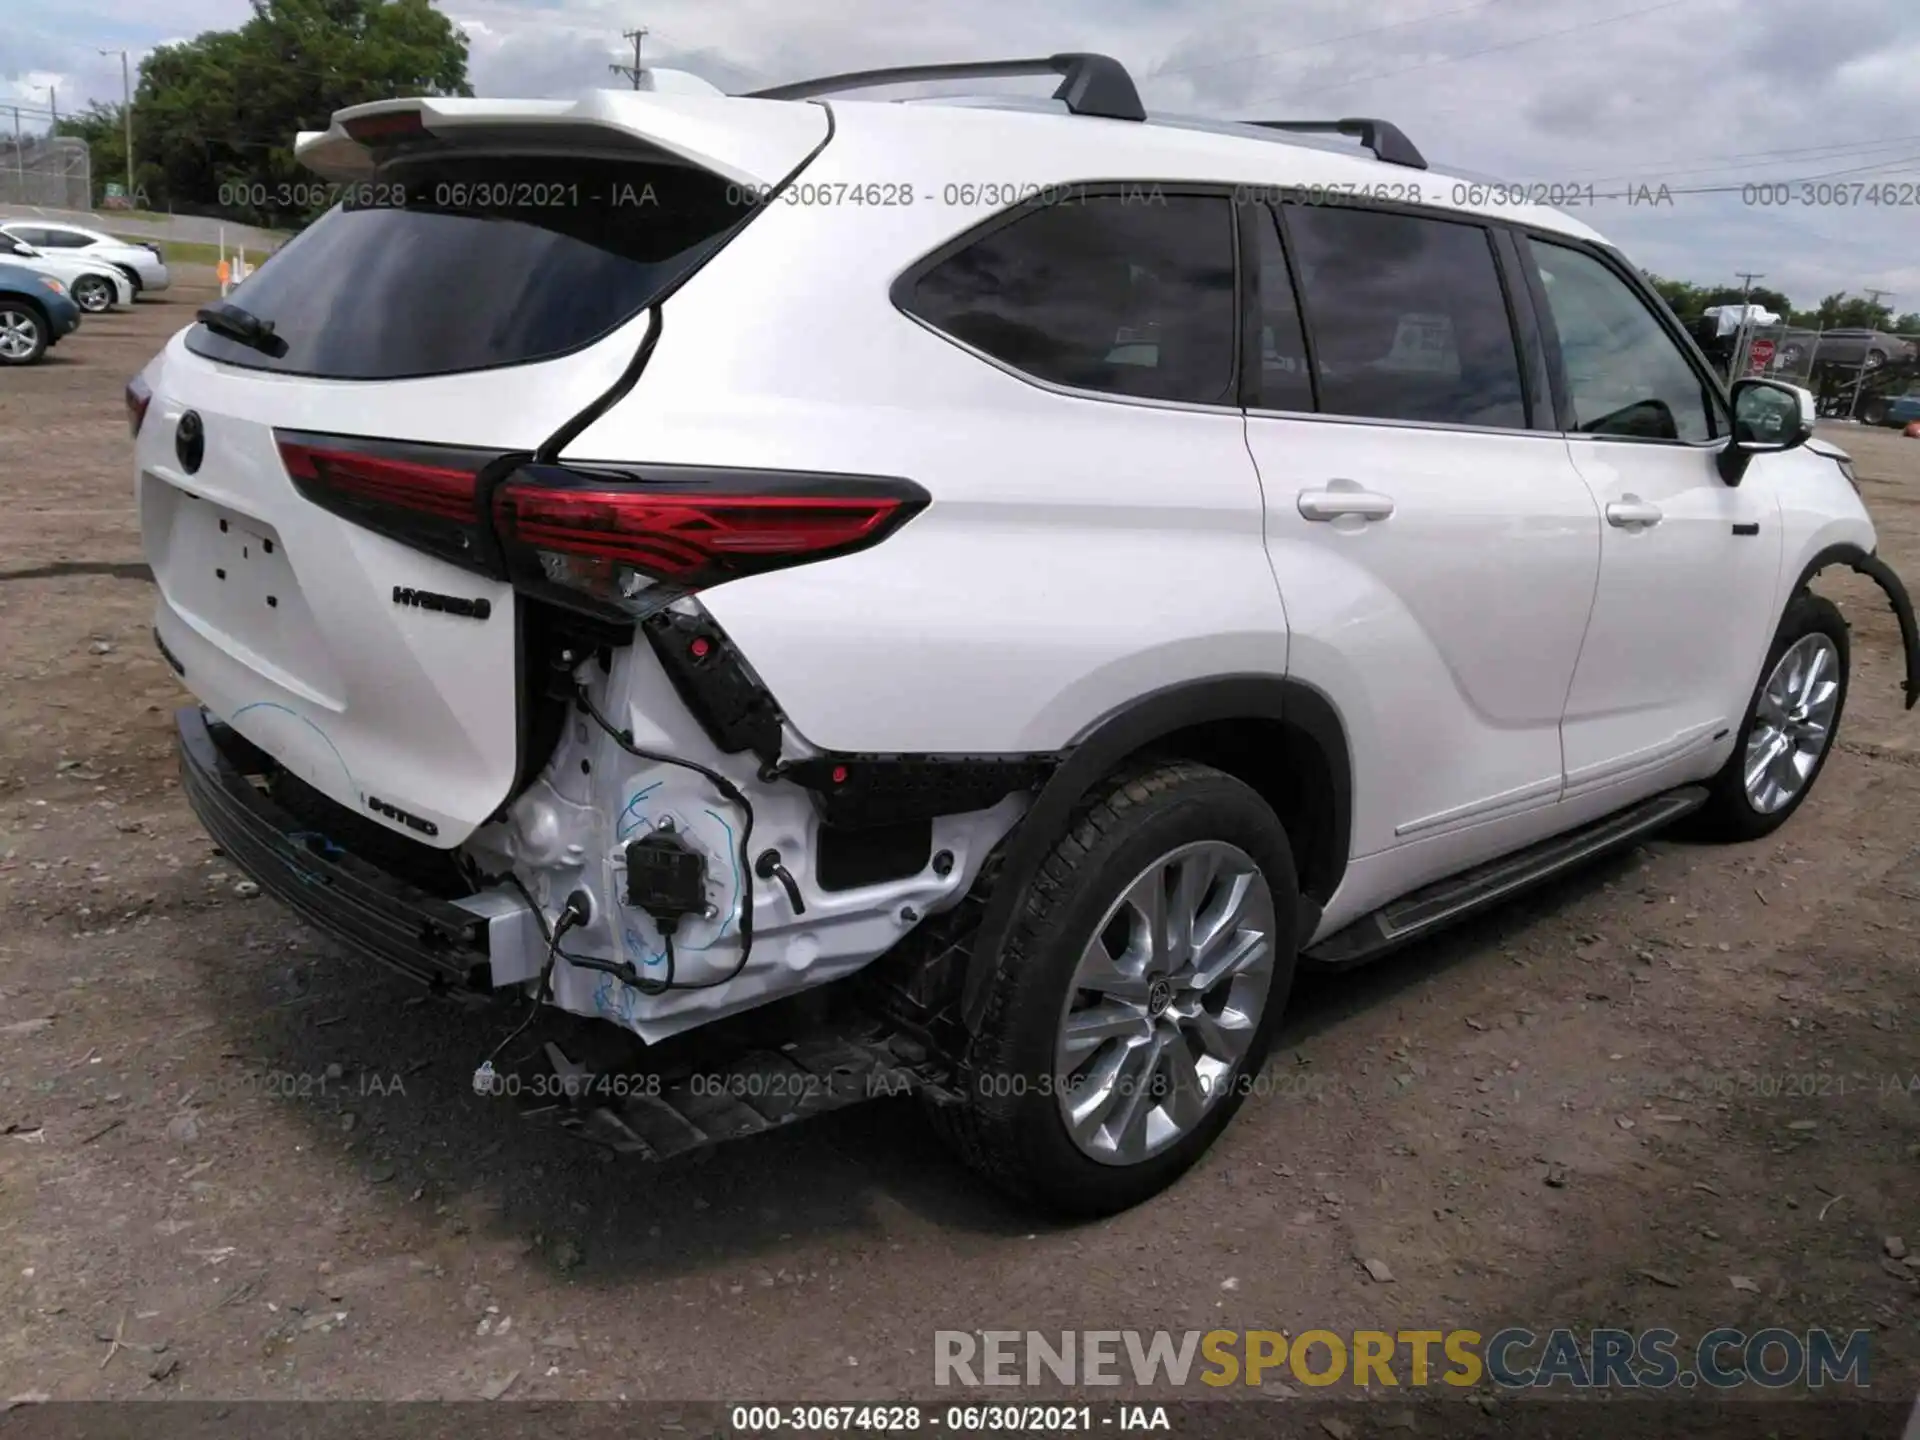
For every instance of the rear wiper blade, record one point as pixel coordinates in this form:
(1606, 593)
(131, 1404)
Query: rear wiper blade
(223, 317)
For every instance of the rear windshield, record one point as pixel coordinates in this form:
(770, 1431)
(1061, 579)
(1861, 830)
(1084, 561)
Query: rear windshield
(468, 263)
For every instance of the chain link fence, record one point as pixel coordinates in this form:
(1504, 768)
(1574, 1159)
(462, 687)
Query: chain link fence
(55, 173)
(1853, 372)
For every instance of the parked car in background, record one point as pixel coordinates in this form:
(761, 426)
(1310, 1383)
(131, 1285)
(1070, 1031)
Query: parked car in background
(35, 313)
(1843, 347)
(1898, 411)
(94, 284)
(140, 261)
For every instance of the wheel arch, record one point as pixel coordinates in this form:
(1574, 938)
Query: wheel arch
(1866, 562)
(21, 297)
(1281, 736)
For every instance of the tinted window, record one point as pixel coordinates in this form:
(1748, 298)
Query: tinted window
(63, 240)
(1407, 317)
(1124, 294)
(1625, 374)
(480, 262)
(1284, 382)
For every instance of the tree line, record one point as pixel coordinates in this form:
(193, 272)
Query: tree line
(1838, 311)
(215, 116)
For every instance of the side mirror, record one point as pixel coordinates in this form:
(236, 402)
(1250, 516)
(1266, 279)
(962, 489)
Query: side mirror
(1769, 416)
(20, 247)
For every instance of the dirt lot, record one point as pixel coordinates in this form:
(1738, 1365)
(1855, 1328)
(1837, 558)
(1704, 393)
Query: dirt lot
(224, 1136)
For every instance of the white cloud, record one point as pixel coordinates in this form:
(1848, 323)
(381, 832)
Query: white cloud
(1546, 90)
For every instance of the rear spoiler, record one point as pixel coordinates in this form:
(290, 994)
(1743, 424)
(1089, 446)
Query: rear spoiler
(744, 141)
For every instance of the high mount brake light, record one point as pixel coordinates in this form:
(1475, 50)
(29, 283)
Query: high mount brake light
(138, 397)
(386, 128)
(423, 496)
(623, 546)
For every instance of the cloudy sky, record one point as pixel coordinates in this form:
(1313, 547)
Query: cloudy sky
(1701, 96)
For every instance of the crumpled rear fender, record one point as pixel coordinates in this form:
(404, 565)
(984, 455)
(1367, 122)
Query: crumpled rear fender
(1869, 564)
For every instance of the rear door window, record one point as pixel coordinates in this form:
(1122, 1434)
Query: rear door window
(1407, 317)
(1130, 294)
(465, 263)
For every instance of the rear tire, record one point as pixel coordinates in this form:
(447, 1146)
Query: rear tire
(1153, 1046)
(1790, 725)
(23, 333)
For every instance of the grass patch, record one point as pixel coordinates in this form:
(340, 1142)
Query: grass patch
(193, 252)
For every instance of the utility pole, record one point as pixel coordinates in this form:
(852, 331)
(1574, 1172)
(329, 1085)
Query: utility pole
(126, 111)
(19, 156)
(633, 71)
(1740, 336)
(53, 109)
(1860, 375)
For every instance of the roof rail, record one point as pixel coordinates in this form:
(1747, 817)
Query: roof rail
(1382, 137)
(1091, 84)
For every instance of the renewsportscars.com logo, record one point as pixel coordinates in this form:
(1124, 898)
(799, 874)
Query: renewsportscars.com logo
(1721, 1359)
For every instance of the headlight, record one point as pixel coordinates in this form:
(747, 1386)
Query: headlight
(52, 284)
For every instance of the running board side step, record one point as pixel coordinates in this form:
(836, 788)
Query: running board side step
(1426, 910)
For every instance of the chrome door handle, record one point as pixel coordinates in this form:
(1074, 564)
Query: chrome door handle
(1632, 512)
(1331, 504)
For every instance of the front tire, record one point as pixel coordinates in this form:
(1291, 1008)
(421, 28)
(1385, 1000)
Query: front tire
(1137, 995)
(93, 293)
(1790, 724)
(23, 334)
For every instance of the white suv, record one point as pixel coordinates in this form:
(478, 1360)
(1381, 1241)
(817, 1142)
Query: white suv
(1019, 577)
(142, 262)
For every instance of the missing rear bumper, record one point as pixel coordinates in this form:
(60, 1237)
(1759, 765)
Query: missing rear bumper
(441, 943)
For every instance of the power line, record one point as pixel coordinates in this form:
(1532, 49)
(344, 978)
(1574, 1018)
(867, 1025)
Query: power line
(1474, 54)
(1836, 151)
(1319, 44)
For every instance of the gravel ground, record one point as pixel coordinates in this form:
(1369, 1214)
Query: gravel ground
(1678, 1089)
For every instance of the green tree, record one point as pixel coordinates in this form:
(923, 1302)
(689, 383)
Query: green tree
(1851, 312)
(215, 117)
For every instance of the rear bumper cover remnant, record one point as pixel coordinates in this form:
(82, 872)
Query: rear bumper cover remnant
(424, 937)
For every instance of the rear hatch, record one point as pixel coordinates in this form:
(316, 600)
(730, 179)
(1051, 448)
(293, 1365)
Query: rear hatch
(309, 497)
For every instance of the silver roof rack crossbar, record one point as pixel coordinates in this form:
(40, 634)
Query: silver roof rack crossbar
(1382, 137)
(1090, 84)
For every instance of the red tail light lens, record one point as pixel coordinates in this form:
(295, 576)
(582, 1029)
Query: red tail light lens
(424, 496)
(624, 545)
(138, 397)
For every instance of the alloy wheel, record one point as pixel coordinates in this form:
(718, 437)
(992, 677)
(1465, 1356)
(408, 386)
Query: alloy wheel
(1793, 722)
(19, 334)
(1164, 1002)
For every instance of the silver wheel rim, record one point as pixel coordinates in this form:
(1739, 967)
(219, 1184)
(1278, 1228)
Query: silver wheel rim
(18, 334)
(1792, 722)
(92, 295)
(1164, 1002)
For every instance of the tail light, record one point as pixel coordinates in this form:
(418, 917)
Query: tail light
(425, 496)
(624, 544)
(138, 397)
